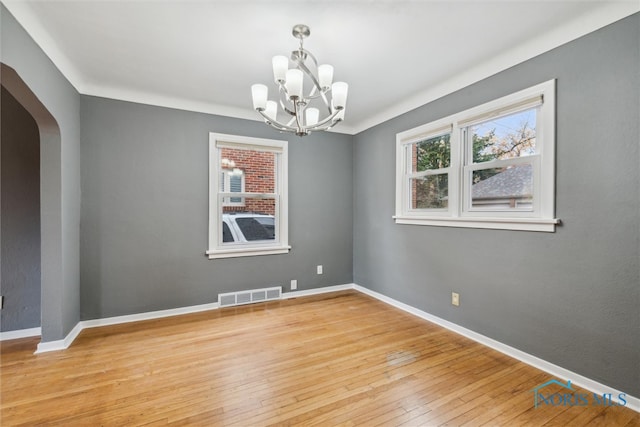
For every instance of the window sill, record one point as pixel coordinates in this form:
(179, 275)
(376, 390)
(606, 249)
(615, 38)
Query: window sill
(521, 224)
(242, 252)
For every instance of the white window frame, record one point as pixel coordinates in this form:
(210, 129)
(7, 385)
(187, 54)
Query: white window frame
(459, 213)
(280, 244)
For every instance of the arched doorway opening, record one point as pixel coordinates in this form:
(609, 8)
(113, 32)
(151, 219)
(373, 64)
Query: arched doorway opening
(50, 192)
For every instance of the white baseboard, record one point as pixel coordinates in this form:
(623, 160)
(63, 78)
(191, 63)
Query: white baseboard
(555, 370)
(44, 347)
(63, 344)
(21, 333)
(150, 315)
(317, 291)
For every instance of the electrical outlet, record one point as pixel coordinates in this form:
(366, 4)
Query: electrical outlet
(294, 285)
(455, 299)
(319, 269)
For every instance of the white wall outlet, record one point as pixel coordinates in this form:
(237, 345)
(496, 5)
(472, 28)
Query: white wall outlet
(319, 269)
(294, 285)
(455, 299)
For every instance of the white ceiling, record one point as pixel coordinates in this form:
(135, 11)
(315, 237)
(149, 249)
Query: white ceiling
(205, 55)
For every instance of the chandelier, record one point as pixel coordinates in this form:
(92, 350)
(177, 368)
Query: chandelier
(305, 118)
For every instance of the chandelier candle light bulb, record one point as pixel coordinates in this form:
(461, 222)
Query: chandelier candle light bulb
(324, 96)
(280, 66)
(272, 109)
(339, 90)
(325, 76)
(259, 93)
(293, 83)
(312, 115)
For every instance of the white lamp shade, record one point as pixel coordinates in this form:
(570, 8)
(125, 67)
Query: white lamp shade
(259, 93)
(272, 109)
(293, 83)
(325, 76)
(280, 66)
(339, 91)
(312, 115)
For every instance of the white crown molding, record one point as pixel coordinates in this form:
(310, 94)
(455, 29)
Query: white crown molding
(580, 26)
(23, 14)
(546, 41)
(178, 103)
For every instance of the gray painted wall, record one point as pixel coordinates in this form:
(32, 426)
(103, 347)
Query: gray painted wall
(572, 297)
(20, 220)
(145, 211)
(60, 178)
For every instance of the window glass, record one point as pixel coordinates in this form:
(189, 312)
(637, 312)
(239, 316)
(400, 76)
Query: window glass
(232, 182)
(269, 224)
(256, 166)
(504, 137)
(503, 188)
(253, 230)
(432, 153)
(226, 233)
(430, 192)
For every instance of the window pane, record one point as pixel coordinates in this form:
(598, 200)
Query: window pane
(269, 224)
(249, 226)
(253, 230)
(430, 192)
(235, 186)
(504, 137)
(256, 167)
(231, 182)
(252, 222)
(503, 188)
(226, 233)
(432, 153)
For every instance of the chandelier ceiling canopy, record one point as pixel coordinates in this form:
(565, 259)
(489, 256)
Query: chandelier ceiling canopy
(302, 111)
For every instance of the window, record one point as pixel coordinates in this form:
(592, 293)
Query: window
(232, 182)
(247, 196)
(492, 166)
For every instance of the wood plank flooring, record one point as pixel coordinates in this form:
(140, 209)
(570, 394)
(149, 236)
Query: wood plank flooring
(334, 359)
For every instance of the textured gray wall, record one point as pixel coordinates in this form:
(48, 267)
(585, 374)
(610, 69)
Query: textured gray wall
(572, 297)
(145, 211)
(20, 229)
(60, 177)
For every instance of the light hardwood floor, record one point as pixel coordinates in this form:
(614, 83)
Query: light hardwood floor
(334, 359)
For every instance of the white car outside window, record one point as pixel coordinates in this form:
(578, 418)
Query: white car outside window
(246, 227)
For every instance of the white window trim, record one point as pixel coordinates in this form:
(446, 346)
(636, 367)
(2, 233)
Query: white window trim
(458, 213)
(281, 244)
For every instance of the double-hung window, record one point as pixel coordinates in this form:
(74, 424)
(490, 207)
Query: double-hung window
(247, 196)
(492, 166)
